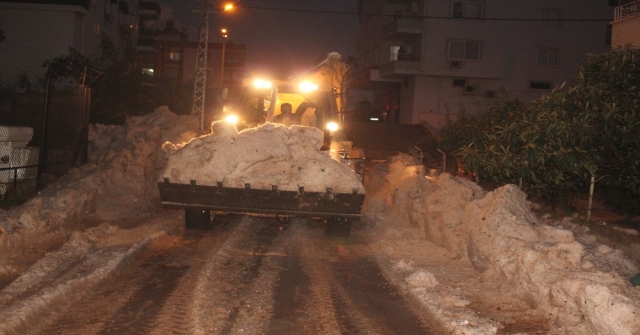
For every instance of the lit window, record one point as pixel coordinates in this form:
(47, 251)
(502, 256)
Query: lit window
(147, 71)
(460, 50)
(548, 56)
(174, 55)
(551, 17)
(467, 9)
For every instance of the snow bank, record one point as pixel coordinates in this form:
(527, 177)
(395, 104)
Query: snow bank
(271, 154)
(546, 266)
(118, 181)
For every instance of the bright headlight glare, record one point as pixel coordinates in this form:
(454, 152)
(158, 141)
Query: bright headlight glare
(259, 83)
(307, 86)
(332, 126)
(233, 119)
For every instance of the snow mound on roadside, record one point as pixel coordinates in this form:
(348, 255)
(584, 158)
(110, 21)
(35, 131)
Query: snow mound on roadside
(546, 266)
(118, 181)
(271, 154)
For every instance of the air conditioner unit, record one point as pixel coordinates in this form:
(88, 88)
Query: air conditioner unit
(455, 64)
(470, 89)
(490, 94)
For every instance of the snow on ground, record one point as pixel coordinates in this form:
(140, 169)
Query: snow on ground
(447, 243)
(576, 285)
(119, 180)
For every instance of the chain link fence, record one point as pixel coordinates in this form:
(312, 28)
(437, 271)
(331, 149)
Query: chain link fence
(43, 133)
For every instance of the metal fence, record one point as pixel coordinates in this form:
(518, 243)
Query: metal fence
(42, 134)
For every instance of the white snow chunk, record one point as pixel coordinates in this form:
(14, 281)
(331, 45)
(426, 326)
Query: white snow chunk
(422, 279)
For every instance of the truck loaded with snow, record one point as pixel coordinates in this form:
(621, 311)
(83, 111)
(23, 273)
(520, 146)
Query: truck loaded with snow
(267, 168)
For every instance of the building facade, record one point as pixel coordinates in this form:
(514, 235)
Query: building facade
(626, 25)
(168, 54)
(39, 30)
(429, 61)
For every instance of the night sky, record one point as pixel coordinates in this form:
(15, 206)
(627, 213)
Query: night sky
(283, 37)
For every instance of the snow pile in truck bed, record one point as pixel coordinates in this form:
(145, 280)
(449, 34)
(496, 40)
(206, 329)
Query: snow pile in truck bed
(548, 267)
(271, 154)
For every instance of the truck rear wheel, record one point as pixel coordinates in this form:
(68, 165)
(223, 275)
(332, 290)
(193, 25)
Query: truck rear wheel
(338, 227)
(197, 219)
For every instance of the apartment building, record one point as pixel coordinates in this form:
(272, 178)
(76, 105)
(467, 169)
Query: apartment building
(167, 53)
(38, 30)
(430, 60)
(235, 55)
(626, 24)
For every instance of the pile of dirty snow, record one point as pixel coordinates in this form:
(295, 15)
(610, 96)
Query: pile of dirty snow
(118, 181)
(268, 155)
(559, 273)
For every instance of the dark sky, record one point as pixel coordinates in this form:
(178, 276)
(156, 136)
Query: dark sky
(283, 37)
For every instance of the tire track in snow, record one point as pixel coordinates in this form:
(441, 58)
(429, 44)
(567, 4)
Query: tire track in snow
(23, 314)
(175, 317)
(319, 306)
(258, 303)
(229, 271)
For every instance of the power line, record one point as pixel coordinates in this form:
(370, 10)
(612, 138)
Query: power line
(413, 16)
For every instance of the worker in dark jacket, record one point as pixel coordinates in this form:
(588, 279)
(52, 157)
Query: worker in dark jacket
(286, 117)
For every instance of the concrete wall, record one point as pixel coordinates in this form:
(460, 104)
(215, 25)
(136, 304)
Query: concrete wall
(626, 31)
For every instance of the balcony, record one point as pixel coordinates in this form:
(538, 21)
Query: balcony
(403, 25)
(149, 10)
(629, 9)
(405, 65)
(146, 45)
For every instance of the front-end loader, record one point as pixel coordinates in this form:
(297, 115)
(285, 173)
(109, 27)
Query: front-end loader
(318, 96)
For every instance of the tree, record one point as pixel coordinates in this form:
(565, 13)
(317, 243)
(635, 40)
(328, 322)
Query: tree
(554, 146)
(120, 91)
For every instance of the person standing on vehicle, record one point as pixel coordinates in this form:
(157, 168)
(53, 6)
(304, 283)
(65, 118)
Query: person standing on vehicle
(286, 117)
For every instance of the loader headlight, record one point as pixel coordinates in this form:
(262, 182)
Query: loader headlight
(259, 83)
(307, 86)
(332, 126)
(233, 119)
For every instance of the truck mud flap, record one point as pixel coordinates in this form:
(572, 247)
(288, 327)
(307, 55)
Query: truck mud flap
(259, 201)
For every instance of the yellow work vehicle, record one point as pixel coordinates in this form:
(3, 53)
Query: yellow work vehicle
(316, 99)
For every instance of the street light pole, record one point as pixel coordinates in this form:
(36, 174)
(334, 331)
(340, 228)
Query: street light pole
(224, 43)
(200, 82)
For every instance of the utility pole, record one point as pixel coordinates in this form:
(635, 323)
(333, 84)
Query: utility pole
(224, 43)
(200, 84)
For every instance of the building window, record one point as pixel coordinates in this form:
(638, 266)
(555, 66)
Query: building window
(464, 50)
(551, 18)
(174, 55)
(147, 71)
(536, 85)
(548, 56)
(459, 82)
(467, 10)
